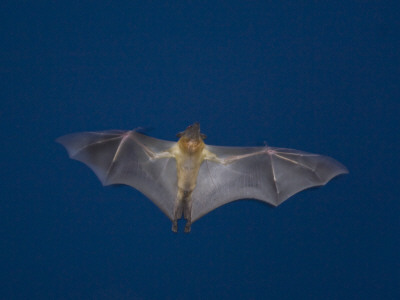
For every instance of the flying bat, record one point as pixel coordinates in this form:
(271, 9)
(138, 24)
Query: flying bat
(189, 178)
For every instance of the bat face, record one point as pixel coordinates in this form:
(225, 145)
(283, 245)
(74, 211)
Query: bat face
(188, 178)
(192, 132)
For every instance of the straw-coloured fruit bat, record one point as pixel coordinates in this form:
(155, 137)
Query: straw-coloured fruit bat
(189, 178)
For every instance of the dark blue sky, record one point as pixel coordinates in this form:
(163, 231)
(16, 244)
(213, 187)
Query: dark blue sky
(318, 77)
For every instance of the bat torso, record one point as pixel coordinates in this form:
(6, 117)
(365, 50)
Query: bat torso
(189, 157)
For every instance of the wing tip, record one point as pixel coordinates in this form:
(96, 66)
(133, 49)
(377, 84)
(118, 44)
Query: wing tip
(341, 170)
(63, 141)
(335, 169)
(344, 170)
(60, 140)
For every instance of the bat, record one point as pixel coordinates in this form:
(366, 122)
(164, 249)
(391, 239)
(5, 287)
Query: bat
(189, 178)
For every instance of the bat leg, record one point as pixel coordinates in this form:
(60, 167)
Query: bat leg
(177, 211)
(177, 215)
(187, 213)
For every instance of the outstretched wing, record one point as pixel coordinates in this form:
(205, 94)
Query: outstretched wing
(268, 174)
(127, 157)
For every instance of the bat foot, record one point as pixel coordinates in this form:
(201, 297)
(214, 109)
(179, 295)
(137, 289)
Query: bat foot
(174, 226)
(188, 227)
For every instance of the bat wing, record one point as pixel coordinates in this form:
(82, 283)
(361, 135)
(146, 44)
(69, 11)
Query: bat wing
(126, 157)
(268, 174)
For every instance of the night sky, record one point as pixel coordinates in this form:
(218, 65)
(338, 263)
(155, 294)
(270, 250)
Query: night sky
(318, 76)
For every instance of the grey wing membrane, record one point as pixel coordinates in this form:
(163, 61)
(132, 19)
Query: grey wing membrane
(125, 157)
(268, 174)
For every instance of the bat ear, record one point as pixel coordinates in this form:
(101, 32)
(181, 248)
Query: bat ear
(203, 136)
(180, 134)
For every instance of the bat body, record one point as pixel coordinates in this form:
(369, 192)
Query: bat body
(189, 178)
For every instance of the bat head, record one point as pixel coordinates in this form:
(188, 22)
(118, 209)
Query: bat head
(192, 132)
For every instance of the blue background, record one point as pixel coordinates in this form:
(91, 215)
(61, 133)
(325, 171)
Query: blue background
(316, 76)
